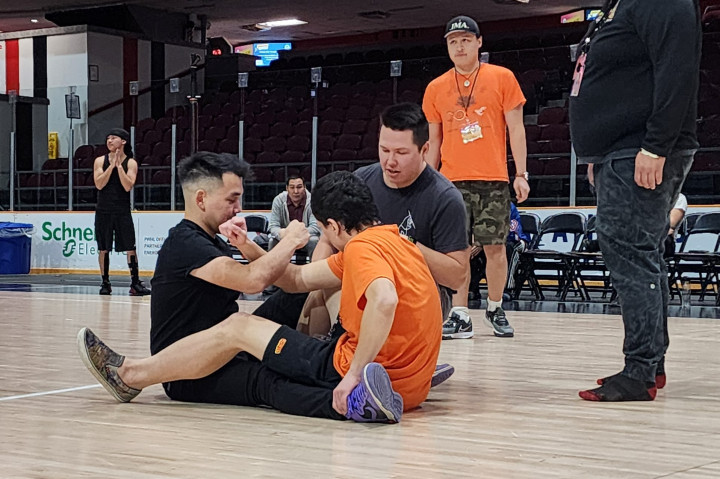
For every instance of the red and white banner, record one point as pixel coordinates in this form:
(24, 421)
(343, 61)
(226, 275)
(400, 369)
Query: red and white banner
(16, 66)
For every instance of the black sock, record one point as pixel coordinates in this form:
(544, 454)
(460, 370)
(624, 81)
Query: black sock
(133, 265)
(106, 265)
(621, 388)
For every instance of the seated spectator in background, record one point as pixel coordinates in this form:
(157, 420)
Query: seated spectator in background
(677, 213)
(517, 242)
(293, 204)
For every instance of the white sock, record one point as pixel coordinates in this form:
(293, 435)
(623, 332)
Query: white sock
(493, 305)
(459, 309)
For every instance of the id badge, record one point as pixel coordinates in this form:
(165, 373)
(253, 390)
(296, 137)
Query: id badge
(578, 75)
(471, 132)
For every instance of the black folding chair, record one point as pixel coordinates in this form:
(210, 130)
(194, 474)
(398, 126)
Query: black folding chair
(589, 266)
(537, 261)
(700, 266)
(530, 223)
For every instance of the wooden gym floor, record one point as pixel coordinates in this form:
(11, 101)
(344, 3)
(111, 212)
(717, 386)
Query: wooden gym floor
(510, 411)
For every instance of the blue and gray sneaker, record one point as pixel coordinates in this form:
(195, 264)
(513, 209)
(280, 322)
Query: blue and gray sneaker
(458, 325)
(499, 323)
(373, 400)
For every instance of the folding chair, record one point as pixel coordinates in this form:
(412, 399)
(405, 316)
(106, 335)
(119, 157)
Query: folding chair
(700, 266)
(589, 265)
(537, 261)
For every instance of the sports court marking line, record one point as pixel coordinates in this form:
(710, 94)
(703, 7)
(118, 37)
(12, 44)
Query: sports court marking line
(45, 393)
(87, 298)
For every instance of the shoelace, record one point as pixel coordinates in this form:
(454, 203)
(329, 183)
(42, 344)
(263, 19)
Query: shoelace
(501, 319)
(355, 400)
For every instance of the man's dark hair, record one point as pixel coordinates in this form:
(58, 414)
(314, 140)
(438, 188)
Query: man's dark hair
(344, 197)
(205, 164)
(294, 177)
(407, 116)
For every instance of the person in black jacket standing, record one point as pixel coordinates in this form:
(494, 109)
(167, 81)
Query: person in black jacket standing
(633, 108)
(114, 176)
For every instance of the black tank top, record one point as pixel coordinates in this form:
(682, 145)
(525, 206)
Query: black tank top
(113, 198)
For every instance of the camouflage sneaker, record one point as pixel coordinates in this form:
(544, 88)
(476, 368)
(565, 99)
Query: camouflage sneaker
(499, 323)
(373, 400)
(139, 289)
(442, 373)
(105, 288)
(103, 363)
(458, 326)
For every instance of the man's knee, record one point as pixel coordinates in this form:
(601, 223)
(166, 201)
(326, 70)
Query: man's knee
(235, 325)
(495, 252)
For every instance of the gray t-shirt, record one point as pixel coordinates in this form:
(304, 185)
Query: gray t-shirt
(430, 211)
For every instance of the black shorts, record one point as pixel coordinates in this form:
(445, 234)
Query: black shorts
(115, 225)
(282, 308)
(304, 359)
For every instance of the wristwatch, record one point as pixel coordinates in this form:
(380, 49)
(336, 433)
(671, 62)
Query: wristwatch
(524, 174)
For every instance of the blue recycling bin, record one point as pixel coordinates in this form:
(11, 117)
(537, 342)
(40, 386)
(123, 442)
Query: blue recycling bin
(15, 244)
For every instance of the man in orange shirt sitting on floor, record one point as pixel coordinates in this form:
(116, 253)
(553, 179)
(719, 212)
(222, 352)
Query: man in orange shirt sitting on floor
(469, 108)
(379, 364)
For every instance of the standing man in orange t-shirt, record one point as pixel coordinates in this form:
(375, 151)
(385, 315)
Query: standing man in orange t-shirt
(469, 109)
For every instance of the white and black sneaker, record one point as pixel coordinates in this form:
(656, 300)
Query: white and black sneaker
(458, 325)
(499, 323)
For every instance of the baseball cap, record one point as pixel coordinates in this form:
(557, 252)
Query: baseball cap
(462, 23)
(120, 133)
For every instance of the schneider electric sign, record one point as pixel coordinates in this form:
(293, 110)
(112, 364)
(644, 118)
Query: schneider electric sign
(67, 240)
(75, 240)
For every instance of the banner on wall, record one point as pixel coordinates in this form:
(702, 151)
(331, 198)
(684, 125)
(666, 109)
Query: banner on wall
(66, 240)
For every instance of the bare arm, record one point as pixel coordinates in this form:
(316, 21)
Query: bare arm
(323, 249)
(128, 178)
(296, 279)
(448, 269)
(99, 176)
(518, 147)
(261, 272)
(676, 216)
(377, 320)
(432, 157)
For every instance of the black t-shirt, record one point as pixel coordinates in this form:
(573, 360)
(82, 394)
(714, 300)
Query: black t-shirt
(113, 198)
(182, 304)
(640, 83)
(430, 211)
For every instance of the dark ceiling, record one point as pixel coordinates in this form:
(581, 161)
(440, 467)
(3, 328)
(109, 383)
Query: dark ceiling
(326, 18)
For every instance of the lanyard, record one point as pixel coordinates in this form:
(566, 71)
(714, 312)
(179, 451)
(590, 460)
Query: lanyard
(469, 98)
(597, 25)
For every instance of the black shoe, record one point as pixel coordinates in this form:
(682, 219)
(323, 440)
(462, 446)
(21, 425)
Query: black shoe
(499, 323)
(105, 289)
(139, 289)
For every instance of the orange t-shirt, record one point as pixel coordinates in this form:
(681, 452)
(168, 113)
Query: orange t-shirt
(410, 352)
(496, 92)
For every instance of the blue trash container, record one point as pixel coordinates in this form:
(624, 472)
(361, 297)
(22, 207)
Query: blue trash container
(15, 244)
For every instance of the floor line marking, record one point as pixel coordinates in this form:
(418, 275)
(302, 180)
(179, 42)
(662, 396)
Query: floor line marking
(45, 393)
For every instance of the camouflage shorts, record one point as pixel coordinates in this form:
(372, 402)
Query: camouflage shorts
(487, 210)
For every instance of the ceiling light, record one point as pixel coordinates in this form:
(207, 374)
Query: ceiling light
(291, 22)
(33, 20)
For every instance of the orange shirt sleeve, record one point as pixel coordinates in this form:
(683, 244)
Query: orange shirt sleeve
(429, 108)
(512, 93)
(336, 264)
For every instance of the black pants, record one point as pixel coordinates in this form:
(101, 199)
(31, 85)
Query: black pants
(632, 224)
(296, 375)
